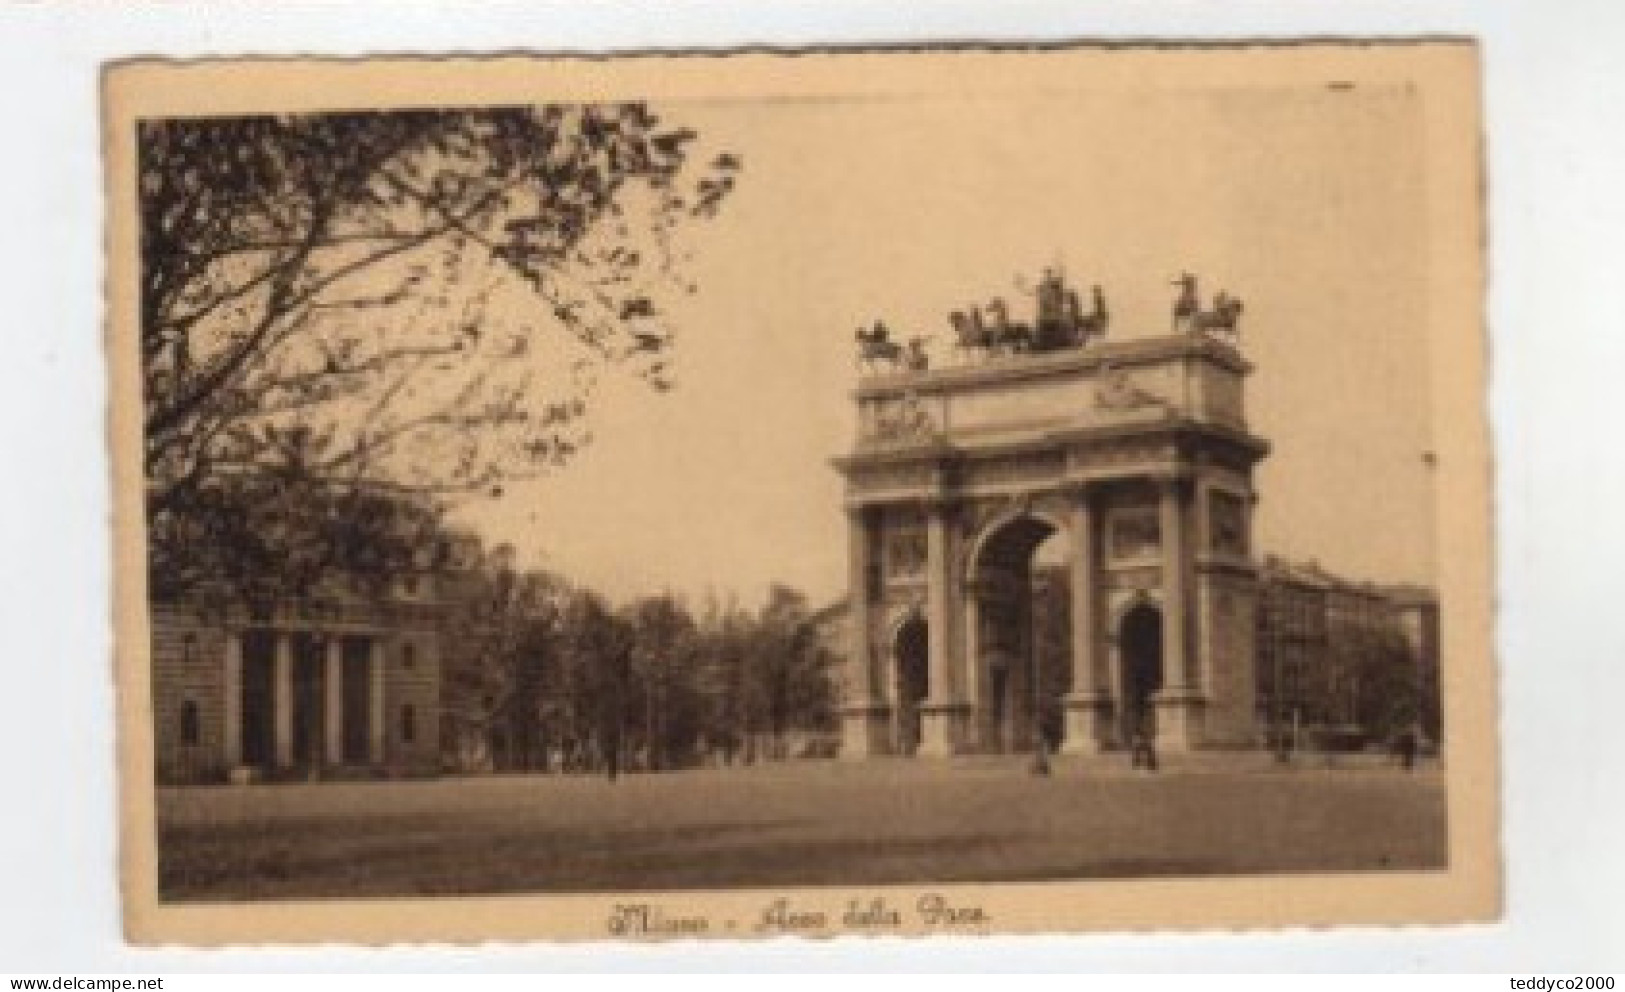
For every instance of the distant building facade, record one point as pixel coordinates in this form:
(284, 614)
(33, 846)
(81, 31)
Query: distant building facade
(1338, 662)
(344, 682)
(1343, 661)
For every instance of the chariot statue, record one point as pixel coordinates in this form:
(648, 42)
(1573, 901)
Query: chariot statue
(1060, 322)
(1008, 336)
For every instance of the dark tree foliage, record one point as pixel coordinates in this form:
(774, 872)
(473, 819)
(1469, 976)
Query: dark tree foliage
(542, 676)
(417, 298)
(666, 654)
(504, 647)
(792, 669)
(1384, 686)
(261, 537)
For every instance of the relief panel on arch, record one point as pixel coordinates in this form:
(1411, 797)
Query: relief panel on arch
(1133, 534)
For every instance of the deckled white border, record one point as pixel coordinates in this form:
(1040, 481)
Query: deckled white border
(1553, 90)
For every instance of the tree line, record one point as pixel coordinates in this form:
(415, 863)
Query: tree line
(541, 675)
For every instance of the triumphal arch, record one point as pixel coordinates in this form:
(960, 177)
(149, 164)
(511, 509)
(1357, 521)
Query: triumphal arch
(1135, 453)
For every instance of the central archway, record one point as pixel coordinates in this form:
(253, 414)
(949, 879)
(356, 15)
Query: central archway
(1020, 632)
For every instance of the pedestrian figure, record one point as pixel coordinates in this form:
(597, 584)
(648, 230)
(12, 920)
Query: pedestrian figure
(1143, 753)
(1406, 746)
(1283, 749)
(1040, 764)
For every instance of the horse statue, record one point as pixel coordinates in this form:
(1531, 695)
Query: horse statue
(1087, 326)
(970, 332)
(1222, 319)
(1188, 304)
(876, 346)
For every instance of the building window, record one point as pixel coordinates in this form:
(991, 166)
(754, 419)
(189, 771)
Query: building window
(190, 731)
(409, 655)
(410, 585)
(409, 724)
(188, 649)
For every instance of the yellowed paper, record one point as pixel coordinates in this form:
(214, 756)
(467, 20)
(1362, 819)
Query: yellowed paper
(1287, 245)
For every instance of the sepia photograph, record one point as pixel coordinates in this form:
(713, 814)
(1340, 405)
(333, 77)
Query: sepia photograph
(935, 490)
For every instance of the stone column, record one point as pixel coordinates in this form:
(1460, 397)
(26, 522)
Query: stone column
(863, 713)
(333, 702)
(978, 693)
(232, 708)
(282, 699)
(1088, 705)
(941, 712)
(376, 725)
(1178, 705)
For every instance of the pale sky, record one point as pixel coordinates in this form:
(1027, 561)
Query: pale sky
(1306, 201)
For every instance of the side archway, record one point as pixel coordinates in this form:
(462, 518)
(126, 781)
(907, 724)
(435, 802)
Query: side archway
(911, 678)
(1139, 647)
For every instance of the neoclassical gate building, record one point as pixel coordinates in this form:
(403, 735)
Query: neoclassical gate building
(1137, 455)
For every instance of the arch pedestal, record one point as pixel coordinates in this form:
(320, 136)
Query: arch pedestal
(864, 728)
(1089, 727)
(943, 728)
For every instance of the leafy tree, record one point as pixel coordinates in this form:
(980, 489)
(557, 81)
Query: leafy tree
(546, 669)
(1390, 688)
(599, 686)
(421, 297)
(723, 677)
(503, 645)
(793, 669)
(764, 674)
(665, 653)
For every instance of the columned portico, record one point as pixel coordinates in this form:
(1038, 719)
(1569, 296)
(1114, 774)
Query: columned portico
(336, 686)
(298, 710)
(1134, 457)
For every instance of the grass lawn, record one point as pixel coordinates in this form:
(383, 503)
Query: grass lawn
(808, 824)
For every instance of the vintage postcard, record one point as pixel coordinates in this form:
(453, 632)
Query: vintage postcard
(941, 491)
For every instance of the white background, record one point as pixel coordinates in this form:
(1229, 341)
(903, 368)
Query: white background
(1555, 96)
